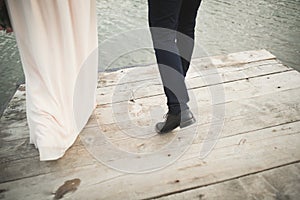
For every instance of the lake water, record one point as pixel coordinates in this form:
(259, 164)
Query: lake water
(222, 27)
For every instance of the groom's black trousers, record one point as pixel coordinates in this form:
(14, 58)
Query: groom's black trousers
(172, 25)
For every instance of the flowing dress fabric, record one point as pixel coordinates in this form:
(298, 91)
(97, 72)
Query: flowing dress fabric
(57, 41)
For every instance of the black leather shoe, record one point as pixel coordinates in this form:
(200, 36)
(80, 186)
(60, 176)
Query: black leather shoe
(183, 119)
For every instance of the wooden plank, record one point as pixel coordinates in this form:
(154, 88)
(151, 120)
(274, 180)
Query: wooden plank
(252, 69)
(15, 150)
(207, 63)
(21, 148)
(151, 87)
(14, 133)
(202, 96)
(197, 69)
(241, 116)
(17, 105)
(252, 106)
(15, 115)
(11, 131)
(19, 168)
(279, 183)
(262, 150)
(240, 57)
(41, 187)
(15, 147)
(13, 127)
(13, 123)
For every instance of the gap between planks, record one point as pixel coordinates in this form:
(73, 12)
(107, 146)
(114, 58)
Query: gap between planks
(222, 193)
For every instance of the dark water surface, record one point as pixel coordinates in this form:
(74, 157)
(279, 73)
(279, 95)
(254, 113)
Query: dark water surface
(223, 27)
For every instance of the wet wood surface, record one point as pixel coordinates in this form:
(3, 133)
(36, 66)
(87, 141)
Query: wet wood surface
(256, 155)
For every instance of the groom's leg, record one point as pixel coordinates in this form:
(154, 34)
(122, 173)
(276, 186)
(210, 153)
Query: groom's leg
(186, 29)
(163, 20)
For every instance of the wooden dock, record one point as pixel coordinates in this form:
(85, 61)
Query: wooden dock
(256, 156)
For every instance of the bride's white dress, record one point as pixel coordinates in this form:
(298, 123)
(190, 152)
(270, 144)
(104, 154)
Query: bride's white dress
(57, 41)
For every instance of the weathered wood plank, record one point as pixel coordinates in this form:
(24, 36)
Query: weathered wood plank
(21, 148)
(16, 149)
(261, 132)
(256, 113)
(207, 63)
(13, 123)
(240, 57)
(241, 116)
(279, 183)
(232, 91)
(26, 167)
(18, 106)
(261, 151)
(122, 91)
(16, 133)
(41, 187)
(13, 127)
